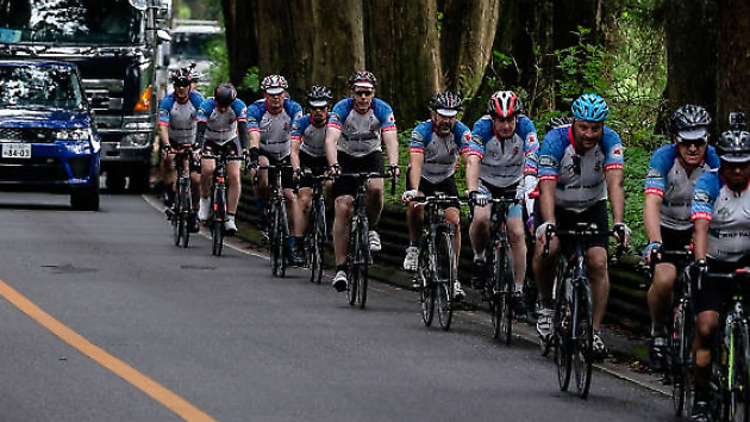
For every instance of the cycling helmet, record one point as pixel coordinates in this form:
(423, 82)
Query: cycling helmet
(556, 122)
(690, 122)
(225, 94)
(504, 104)
(446, 103)
(737, 120)
(362, 78)
(319, 96)
(590, 107)
(181, 77)
(274, 84)
(734, 146)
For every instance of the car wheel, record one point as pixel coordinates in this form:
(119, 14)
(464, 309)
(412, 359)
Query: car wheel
(85, 200)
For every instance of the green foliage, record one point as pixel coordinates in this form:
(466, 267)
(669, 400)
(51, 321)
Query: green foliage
(636, 168)
(184, 12)
(219, 72)
(582, 68)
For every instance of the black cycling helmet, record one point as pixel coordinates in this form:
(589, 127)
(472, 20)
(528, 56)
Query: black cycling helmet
(690, 122)
(225, 94)
(504, 104)
(446, 103)
(737, 120)
(181, 77)
(362, 78)
(319, 96)
(556, 122)
(734, 146)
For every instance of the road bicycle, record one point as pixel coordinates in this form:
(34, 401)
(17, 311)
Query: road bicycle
(219, 200)
(181, 215)
(278, 220)
(437, 260)
(315, 238)
(358, 257)
(730, 367)
(679, 358)
(573, 322)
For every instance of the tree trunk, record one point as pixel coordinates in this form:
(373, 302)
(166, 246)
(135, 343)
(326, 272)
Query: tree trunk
(466, 41)
(734, 60)
(402, 51)
(339, 43)
(242, 45)
(691, 53)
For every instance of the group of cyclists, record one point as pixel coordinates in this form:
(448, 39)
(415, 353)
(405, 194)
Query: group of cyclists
(695, 194)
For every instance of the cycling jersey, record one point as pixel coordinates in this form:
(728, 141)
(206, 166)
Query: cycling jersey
(580, 178)
(361, 132)
(728, 213)
(275, 129)
(221, 127)
(312, 138)
(440, 152)
(180, 118)
(504, 162)
(668, 179)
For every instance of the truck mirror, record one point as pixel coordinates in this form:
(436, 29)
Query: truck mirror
(163, 35)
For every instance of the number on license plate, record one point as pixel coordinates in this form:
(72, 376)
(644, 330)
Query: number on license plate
(16, 150)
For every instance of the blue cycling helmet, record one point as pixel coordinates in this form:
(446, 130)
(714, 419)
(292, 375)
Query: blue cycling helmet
(590, 107)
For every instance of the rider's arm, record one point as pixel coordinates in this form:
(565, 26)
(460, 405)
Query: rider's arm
(652, 217)
(331, 144)
(294, 156)
(473, 163)
(390, 138)
(415, 174)
(700, 238)
(163, 135)
(200, 133)
(616, 194)
(547, 199)
(242, 131)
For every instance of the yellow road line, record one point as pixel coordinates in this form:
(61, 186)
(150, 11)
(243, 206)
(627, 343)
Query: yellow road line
(140, 381)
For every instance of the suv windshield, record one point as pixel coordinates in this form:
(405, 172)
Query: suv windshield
(194, 45)
(70, 22)
(37, 86)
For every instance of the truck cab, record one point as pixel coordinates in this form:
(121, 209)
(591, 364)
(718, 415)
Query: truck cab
(113, 43)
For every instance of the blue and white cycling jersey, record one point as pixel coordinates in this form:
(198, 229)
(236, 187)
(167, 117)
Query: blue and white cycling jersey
(275, 129)
(180, 118)
(441, 152)
(728, 213)
(580, 178)
(361, 132)
(668, 179)
(312, 138)
(504, 162)
(221, 127)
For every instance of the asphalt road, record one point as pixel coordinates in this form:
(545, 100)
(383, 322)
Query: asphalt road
(221, 339)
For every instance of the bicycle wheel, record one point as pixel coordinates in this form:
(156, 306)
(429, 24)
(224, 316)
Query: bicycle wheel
(175, 220)
(217, 229)
(739, 393)
(426, 287)
(562, 335)
(363, 260)
(316, 244)
(273, 238)
(583, 340)
(185, 207)
(284, 235)
(353, 272)
(503, 273)
(445, 277)
(681, 352)
(560, 267)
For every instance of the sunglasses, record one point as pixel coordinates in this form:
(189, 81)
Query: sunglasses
(318, 108)
(693, 142)
(181, 83)
(362, 93)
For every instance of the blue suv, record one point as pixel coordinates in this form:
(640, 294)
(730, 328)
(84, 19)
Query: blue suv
(48, 140)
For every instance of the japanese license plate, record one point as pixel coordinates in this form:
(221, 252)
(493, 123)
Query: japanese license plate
(16, 151)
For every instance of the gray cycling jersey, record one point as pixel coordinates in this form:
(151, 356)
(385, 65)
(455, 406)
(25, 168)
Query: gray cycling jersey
(313, 141)
(222, 127)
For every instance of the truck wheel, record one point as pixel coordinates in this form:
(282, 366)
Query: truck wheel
(115, 181)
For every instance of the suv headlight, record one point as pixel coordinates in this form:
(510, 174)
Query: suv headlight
(74, 135)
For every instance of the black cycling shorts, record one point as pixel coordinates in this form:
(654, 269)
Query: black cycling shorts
(230, 148)
(316, 165)
(675, 240)
(195, 164)
(715, 292)
(370, 163)
(446, 186)
(567, 220)
(287, 178)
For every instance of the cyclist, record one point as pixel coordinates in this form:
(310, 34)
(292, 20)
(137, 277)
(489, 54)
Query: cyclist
(178, 126)
(576, 162)
(308, 152)
(507, 168)
(357, 127)
(672, 174)
(721, 214)
(269, 129)
(434, 148)
(222, 128)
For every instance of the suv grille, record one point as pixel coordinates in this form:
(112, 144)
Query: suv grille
(38, 135)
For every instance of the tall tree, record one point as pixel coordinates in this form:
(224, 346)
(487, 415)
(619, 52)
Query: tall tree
(242, 44)
(734, 59)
